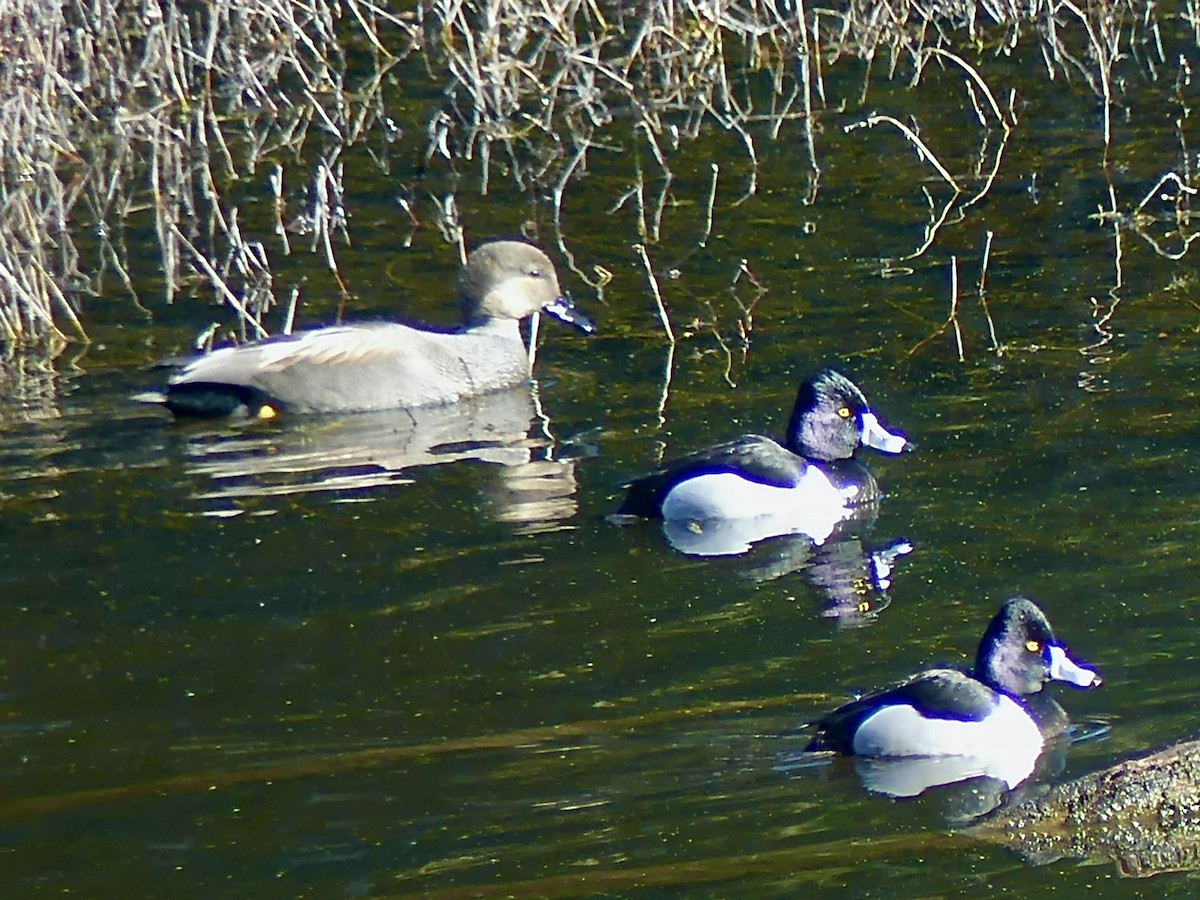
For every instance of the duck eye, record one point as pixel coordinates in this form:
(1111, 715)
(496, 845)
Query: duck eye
(1033, 646)
(535, 273)
(844, 412)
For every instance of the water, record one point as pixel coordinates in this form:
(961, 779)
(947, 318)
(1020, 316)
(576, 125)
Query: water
(342, 658)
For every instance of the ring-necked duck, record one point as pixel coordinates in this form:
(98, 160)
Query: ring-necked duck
(813, 475)
(992, 712)
(386, 365)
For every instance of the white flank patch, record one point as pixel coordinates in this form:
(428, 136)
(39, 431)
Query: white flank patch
(1007, 732)
(812, 507)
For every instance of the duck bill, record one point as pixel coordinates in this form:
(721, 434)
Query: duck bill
(563, 309)
(879, 438)
(1063, 668)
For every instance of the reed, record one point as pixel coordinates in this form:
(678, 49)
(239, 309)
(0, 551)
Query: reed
(112, 112)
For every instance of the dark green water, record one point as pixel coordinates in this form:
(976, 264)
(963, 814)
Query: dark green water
(295, 659)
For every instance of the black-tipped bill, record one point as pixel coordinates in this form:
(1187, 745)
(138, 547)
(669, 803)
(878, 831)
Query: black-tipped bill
(879, 438)
(1063, 668)
(563, 309)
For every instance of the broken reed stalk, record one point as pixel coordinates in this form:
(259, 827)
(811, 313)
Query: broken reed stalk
(983, 270)
(808, 62)
(658, 299)
(954, 307)
(727, 370)
(244, 315)
(664, 395)
(923, 150)
(995, 170)
(1118, 255)
(934, 225)
(708, 211)
(1138, 219)
(1169, 178)
(1104, 61)
(975, 77)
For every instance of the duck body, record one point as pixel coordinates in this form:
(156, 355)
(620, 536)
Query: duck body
(387, 365)
(940, 712)
(752, 475)
(352, 368)
(991, 712)
(813, 476)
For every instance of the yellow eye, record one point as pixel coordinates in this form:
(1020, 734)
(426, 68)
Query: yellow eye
(1033, 646)
(844, 412)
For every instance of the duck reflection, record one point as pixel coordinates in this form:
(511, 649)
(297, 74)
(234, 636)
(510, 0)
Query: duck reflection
(1138, 814)
(366, 451)
(912, 776)
(964, 789)
(854, 578)
(852, 573)
(956, 789)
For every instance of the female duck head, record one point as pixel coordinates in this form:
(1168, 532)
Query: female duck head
(513, 280)
(832, 418)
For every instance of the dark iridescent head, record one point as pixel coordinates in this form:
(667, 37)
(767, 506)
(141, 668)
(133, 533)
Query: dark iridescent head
(831, 419)
(1019, 654)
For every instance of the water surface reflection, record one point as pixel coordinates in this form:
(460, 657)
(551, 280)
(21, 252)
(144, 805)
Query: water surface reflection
(531, 478)
(416, 694)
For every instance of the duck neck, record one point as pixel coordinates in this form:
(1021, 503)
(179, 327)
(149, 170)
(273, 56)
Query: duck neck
(1000, 667)
(803, 438)
(797, 441)
(490, 326)
(984, 669)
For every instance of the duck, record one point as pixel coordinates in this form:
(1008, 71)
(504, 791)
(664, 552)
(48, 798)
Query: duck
(375, 366)
(993, 712)
(812, 475)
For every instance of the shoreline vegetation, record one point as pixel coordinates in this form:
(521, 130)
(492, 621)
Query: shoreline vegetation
(194, 118)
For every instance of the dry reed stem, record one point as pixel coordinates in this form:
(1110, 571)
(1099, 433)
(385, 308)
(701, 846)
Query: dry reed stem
(1168, 178)
(976, 78)
(990, 179)
(640, 249)
(1104, 54)
(923, 150)
(244, 315)
(197, 96)
(117, 110)
(953, 319)
(664, 396)
(933, 226)
(987, 312)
